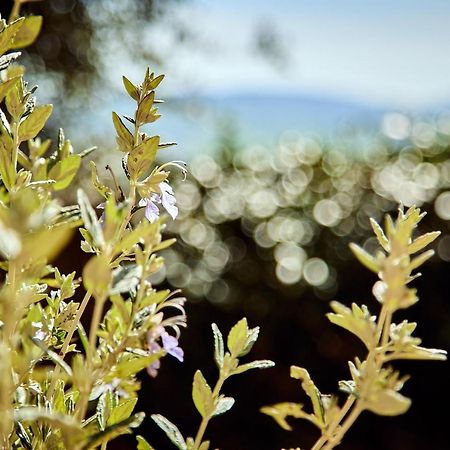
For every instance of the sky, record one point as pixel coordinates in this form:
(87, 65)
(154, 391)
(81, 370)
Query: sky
(391, 53)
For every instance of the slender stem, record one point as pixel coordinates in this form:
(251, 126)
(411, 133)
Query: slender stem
(15, 11)
(67, 340)
(96, 317)
(333, 425)
(349, 421)
(16, 143)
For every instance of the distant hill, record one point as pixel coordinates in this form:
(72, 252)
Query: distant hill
(195, 124)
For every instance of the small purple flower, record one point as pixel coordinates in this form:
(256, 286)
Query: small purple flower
(168, 199)
(151, 210)
(152, 369)
(170, 344)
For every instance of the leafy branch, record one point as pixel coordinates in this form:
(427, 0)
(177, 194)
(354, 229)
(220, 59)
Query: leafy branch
(374, 386)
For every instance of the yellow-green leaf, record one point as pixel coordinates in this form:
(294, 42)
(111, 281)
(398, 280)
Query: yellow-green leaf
(125, 139)
(63, 172)
(130, 88)
(237, 337)
(6, 86)
(33, 124)
(202, 395)
(8, 33)
(97, 276)
(141, 157)
(365, 258)
(28, 32)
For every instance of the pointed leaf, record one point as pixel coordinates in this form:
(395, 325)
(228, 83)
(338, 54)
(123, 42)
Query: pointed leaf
(382, 239)
(365, 258)
(202, 395)
(311, 390)
(97, 276)
(143, 444)
(422, 241)
(130, 88)
(6, 86)
(63, 172)
(218, 345)
(125, 139)
(34, 123)
(259, 364)
(223, 405)
(28, 32)
(171, 431)
(237, 337)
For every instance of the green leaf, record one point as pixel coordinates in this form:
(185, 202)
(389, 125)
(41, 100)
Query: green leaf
(47, 243)
(419, 260)
(382, 239)
(422, 241)
(129, 367)
(53, 356)
(125, 139)
(7, 172)
(141, 157)
(365, 258)
(260, 364)
(28, 32)
(103, 409)
(171, 431)
(6, 86)
(311, 390)
(224, 404)
(14, 100)
(125, 278)
(155, 82)
(34, 123)
(143, 444)
(63, 172)
(356, 320)
(97, 276)
(131, 88)
(202, 395)
(103, 190)
(62, 421)
(281, 411)
(144, 108)
(90, 219)
(113, 431)
(218, 345)
(388, 403)
(237, 337)
(8, 33)
(122, 411)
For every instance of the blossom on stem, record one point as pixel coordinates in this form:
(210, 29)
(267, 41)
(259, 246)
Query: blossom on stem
(166, 199)
(169, 344)
(151, 210)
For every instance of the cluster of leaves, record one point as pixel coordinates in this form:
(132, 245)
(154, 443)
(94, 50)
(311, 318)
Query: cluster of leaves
(210, 402)
(55, 391)
(374, 386)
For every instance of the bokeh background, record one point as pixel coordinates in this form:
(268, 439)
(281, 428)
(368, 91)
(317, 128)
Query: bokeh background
(299, 120)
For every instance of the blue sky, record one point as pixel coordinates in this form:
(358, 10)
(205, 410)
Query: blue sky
(391, 53)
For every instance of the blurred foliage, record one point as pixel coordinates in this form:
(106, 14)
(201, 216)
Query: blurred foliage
(76, 58)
